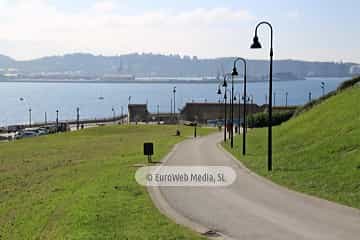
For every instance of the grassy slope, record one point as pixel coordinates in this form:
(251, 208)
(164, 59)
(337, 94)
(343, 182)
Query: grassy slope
(81, 186)
(317, 152)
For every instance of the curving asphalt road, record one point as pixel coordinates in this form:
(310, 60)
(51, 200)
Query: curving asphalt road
(252, 208)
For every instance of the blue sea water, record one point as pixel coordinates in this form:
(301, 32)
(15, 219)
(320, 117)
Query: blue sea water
(66, 97)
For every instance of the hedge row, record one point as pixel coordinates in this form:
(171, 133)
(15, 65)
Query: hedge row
(260, 120)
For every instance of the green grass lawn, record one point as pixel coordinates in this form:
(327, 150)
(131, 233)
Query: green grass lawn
(317, 152)
(81, 185)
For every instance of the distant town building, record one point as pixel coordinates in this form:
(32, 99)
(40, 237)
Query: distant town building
(138, 113)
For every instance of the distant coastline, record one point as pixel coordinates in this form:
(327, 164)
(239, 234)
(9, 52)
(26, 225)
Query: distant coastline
(136, 81)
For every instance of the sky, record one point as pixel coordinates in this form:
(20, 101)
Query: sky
(316, 30)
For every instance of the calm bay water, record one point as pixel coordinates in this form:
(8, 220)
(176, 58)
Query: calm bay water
(48, 97)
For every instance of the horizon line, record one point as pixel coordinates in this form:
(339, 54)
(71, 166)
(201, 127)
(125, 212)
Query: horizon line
(168, 55)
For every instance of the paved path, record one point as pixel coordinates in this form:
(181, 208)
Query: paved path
(252, 208)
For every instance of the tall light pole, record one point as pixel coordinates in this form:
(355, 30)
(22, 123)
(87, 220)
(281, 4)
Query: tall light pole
(171, 107)
(77, 118)
(45, 118)
(310, 97)
(224, 85)
(235, 73)
(239, 110)
(195, 125)
(114, 114)
(57, 120)
(174, 92)
(286, 99)
(158, 113)
(219, 93)
(255, 45)
(30, 110)
(323, 88)
(246, 102)
(232, 110)
(252, 104)
(122, 115)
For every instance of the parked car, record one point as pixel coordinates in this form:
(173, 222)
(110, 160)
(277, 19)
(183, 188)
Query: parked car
(26, 134)
(37, 130)
(50, 129)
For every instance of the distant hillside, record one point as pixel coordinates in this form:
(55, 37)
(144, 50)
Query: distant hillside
(173, 65)
(6, 62)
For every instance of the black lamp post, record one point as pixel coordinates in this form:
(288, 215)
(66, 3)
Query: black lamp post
(195, 127)
(323, 88)
(158, 113)
(256, 44)
(310, 97)
(30, 110)
(239, 110)
(77, 118)
(246, 101)
(286, 99)
(252, 104)
(232, 112)
(122, 114)
(224, 85)
(171, 106)
(235, 73)
(57, 120)
(114, 114)
(219, 92)
(174, 92)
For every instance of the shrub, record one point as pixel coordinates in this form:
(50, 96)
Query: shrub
(348, 84)
(260, 120)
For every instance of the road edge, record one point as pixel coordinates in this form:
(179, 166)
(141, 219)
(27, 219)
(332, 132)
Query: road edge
(240, 164)
(164, 207)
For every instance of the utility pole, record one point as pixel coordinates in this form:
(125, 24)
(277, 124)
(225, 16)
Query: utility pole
(45, 118)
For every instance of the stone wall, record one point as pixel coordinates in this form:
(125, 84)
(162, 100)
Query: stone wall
(202, 112)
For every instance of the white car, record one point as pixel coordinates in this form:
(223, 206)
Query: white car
(26, 134)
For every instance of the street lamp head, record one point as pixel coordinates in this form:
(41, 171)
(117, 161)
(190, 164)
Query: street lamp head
(256, 44)
(234, 98)
(225, 83)
(234, 72)
(219, 91)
